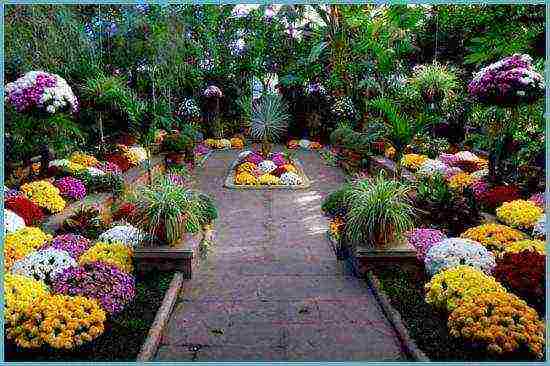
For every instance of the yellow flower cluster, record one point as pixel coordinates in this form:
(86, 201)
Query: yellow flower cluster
(447, 289)
(135, 155)
(218, 143)
(519, 246)
(290, 168)
(116, 254)
(246, 168)
(494, 237)
(460, 180)
(83, 159)
(519, 213)
(413, 161)
(19, 293)
(237, 143)
(21, 242)
(245, 178)
(390, 152)
(499, 320)
(72, 167)
(482, 163)
(269, 179)
(335, 227)
(60, 321)
(45, 195)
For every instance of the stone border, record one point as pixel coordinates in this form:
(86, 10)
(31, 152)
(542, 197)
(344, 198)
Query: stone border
(231, 178)
(394, 317)
(150, 347)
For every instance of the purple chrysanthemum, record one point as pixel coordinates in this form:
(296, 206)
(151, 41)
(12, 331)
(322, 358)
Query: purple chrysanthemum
(109, 167)
(422, 240)
(538, 199)
(73, 244)
(254, 158)
(71, 187)
(112, 287)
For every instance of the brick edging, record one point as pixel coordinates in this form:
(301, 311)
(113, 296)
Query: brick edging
(408, 344)
(150, 346)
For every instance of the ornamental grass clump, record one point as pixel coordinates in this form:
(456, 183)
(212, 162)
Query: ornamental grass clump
(45, 195)
(452, 252)
(519, 214)
(58, 321)
(379, 212)
(21, 242)
(269, 120)
(116, 254)
(494, 237)
(421, 240)
(500, 322)
(44, 265)
(448, 288)
(111, 287)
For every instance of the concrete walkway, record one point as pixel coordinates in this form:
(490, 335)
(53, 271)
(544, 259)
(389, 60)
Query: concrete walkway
(271, 288)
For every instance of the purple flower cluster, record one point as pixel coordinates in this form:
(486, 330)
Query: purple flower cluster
(449, 159)
(511, 78)
(213, 91)
(71, 187)
(538, 199)
(422, 240)
(479, 188)
(201, 149)
(106, 283)
(254, 158)
(73, 244)
(11, 193)
(315, 89)
(110, 168)
(25, 92)
(279, 159)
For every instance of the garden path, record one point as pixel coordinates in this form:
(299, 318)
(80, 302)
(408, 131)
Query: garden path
(271, 289)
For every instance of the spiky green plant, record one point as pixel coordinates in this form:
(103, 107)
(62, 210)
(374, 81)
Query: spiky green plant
(434, 82)
(379, 211)
(269, 119)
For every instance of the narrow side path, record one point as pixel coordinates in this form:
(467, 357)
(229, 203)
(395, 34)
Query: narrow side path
(271, 289)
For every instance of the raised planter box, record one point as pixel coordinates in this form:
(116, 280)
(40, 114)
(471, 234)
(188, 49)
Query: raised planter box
(361, 260)
(164, 258)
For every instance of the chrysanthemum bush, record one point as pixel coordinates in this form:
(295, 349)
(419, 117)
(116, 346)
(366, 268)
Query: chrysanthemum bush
(454, 251)
(83, 159)
(71, 187)
(500, 322)
(106, 283)
(73, 244)
(125, 234)
(494, 237)
(460, 181)
(21, 242)
(496, 196)
(12, 222)
(45, 195)
(413, 161)
(531, 245)
(448, 288)
(58, 321)
(43, 265)
(423, 239)
(519, 214)
(539, 230)
(116, 254)
(19, 294)
(26, 209)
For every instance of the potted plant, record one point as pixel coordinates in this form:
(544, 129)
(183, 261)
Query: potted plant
(269, 120)
(180, 146)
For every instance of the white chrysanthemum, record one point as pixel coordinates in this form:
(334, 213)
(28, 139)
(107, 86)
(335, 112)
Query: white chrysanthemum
(454, 251)
(267, 166)
(59, 163)
(291, 179)
(244, 154)
(539, 230)
(95, 172)
(466, 156)
(431, 167)
(225, 143)
(12, 221)
(304, 144)
(44, 265)
(140, 152)
(125, 234)
(480, 174)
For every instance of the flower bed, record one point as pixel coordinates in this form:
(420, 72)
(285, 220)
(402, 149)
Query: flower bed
(251, 170)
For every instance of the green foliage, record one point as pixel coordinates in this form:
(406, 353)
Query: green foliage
(270, 118)
(344, 136)
(380, 211)
(112, 183)
(434, 82)
(184, 141)
(209, 209)
(335, 204)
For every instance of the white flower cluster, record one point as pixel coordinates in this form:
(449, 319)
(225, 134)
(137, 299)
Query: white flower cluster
(431, 167)
(304, 144)
(539, 230)
(291, 179)
(189, 108)
(95, 172)
(267, 166)
(480, 174)
(452, 252)
(225, 143)
(244, 154)
(12, 221)
(125, 234)
(466, 156)
(140, 153)
(44, 265)
(59, 163)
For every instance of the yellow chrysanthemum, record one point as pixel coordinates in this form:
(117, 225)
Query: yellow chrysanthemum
(494, 237)
(519, 214)
(245, 179)
(117, 254)
(246, 168)
(521, 245)
(45, 195)
(83, 159)
(460, 180)
(269, 179)
(19, 293)
(237, 143)
(413, 161)
(21, 242)
(290, 168)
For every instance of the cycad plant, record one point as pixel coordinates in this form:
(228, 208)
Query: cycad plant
(269, 120)
(379, 212)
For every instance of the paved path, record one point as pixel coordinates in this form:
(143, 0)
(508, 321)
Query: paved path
(271, 289)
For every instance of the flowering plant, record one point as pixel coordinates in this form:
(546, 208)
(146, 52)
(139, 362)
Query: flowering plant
(45, 195)
(11, 193)
(479, 187)
(494, 237)
(454, 251)
(12, 222)
(423, 239)
(120, 160)
(127, 211)
(539, 230)
(499, 320)
(109, 168)
(526, 245)
(245, 178)
(512, 78)
(448, 288)
(267, 166)
(538, 199)
(43, 265)
(116, 254)
(19, 294)
(110, 286)
(269, 179)
(304, 144)
(430, 167)
(495, 196)
(59, 321)
(95, 172)
(86, 220)
(336, 226)
(201, 149)
(21, 242)
(480, 174)
(66, 166)
(83, 159)
(290, 178)
(236, 143)
(293, 144)
(73, 244)
(212, 91)
(519, 213)
(42, 90)
(343, 107)
(246, 167)
(189, 109)
(71, 187)
(315, 89)
(125, 234)
(254, 158)
(524, 274)
(413, 161)
(459, 181)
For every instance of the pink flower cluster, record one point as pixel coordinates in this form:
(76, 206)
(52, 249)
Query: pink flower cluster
(422, 240)
(109, 168)
(213, 91)
(538, 199)
(71, 187)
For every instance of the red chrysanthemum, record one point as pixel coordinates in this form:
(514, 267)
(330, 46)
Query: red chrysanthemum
(496, 196)
(26, 209)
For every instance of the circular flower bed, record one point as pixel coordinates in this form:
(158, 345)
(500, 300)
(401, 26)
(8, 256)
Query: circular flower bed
(12, 222)
(454, 251)
(21, 242)
(519, 214)
(110, 286)
(448, 288)
(116, 254)
(73, 244)
(252, 169)
(423, 239)
(45, 195)
(494, 237)
(43, 265)
(26, 209)
(500, 321)
(125, 234)
(71, 188)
